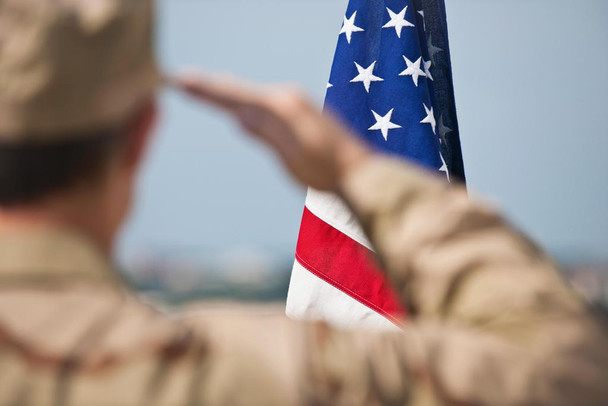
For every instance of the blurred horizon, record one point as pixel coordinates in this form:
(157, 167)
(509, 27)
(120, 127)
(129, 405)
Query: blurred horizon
(533, 139)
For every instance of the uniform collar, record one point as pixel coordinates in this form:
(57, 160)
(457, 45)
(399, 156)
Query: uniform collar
(52, 255)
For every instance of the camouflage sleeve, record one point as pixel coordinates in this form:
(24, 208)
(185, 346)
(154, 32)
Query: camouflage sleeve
(265, 359)
(492, 321)
(437, 245)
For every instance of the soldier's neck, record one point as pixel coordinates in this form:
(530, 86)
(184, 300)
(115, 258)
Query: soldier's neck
(83, 212)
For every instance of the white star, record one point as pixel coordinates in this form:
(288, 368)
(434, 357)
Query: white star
(433, 50)
(384, 124)
(349, 27)
(430, 118)
(443, 129)
(366, 76)
(427, 69)
(398, 21)
(329, 85)
(444, 168)
(413, 70)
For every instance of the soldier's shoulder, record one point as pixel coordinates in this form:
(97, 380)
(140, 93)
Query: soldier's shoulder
(102, 338)
(104, 323)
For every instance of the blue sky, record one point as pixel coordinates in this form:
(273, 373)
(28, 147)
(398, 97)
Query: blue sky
(531, 84)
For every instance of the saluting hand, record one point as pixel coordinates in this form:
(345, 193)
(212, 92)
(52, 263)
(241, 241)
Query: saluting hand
(315, 148)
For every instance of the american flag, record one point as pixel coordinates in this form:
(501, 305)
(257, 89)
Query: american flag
(391, 82)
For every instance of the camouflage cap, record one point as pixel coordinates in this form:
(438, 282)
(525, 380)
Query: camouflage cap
(68, 66)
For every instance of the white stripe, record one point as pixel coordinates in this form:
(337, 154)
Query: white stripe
(332, 210)
(311, 298)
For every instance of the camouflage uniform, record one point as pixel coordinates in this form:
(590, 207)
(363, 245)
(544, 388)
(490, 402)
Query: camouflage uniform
(491, 322)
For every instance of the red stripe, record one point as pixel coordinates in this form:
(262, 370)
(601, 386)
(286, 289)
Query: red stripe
(347, 265)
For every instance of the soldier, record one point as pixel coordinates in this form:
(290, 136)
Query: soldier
(492, 322)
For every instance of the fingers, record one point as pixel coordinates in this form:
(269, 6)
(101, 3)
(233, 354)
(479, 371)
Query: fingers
(314, 147)
(237, 95)
(248, 103)
(279, 115)
(222, 91)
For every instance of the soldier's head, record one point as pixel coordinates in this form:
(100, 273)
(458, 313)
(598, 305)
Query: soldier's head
(77, 86)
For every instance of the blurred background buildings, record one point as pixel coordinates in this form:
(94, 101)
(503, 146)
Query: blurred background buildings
(216, 216)
(174, 280)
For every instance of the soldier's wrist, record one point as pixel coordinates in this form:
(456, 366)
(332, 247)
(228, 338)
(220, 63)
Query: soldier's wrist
(352, 154)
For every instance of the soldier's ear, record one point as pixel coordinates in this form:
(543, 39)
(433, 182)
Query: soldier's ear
(140, 134)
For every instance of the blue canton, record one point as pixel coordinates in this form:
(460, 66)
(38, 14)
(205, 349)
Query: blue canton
(391, 81)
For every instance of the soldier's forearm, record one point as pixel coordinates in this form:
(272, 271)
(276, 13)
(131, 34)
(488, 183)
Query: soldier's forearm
(443, 253)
